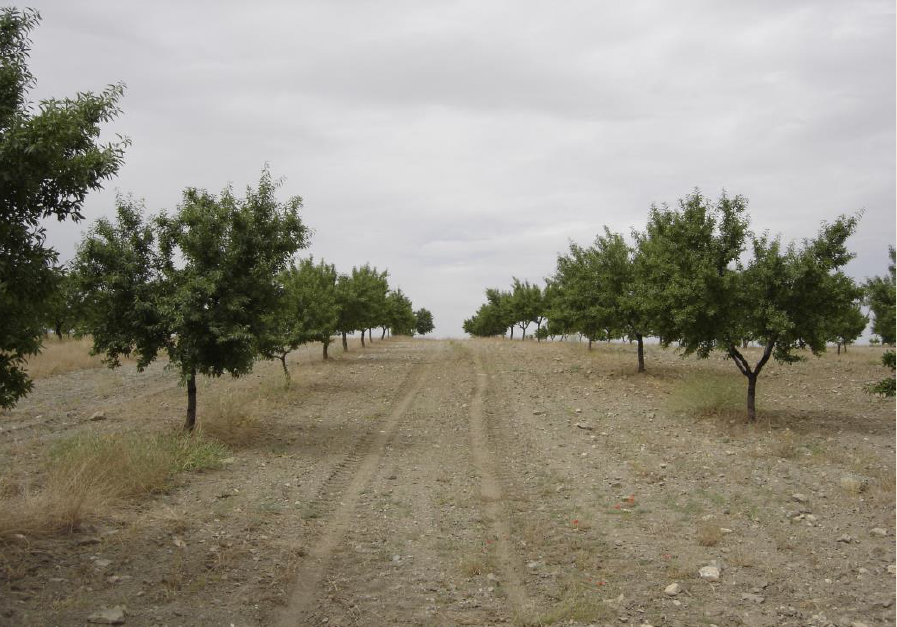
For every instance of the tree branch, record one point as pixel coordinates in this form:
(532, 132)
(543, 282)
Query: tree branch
(739, 360)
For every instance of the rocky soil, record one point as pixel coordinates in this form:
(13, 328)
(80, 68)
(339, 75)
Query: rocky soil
(478, 483)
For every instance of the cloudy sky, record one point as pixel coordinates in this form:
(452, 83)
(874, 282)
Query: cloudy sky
(459, 144)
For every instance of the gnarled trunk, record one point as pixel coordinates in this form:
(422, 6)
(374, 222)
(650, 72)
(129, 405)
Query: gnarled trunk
(362, 338)
(191, 402)
(326, 344)
(590, 343)
(345, 342)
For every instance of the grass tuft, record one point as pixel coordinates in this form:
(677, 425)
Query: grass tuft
(707, 394)
(87, 473)
(233, 419)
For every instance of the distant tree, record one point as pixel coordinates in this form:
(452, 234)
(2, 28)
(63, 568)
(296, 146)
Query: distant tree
(617, 279)
(314, 288)
(305, 312)
(50, 158)
(541, 333)
(401, 319)
(197, 284)
(371, 287)
(577, 301)
(423, 321)
(880, 296)
(784, 297)
(65, 307)
(349, 307)
(526, 305)
(492, 317)
(850, 323)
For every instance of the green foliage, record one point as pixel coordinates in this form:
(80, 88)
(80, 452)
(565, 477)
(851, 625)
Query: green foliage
(65, 307)
(493, 318)
(307, 310)
(526, 305)
(705, 296)
(849, 323)
(423, 321)
(50, 158)
(887, 386)
(370, 288)
(400, 318)
(197, 284)
(880, 296)
(576, 303)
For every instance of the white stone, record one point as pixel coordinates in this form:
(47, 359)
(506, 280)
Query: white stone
(710, 573)
(672, 590)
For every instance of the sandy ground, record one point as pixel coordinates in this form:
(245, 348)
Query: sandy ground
(480, 483)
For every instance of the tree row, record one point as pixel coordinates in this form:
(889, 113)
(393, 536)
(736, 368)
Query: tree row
(697, 276)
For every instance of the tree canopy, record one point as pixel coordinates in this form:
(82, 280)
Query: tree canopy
(50, 158)
(197, 284)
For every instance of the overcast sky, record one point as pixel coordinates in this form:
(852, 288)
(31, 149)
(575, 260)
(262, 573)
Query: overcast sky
(459, 144)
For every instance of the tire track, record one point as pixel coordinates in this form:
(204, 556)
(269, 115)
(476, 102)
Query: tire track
(493, 496)
(349, 478)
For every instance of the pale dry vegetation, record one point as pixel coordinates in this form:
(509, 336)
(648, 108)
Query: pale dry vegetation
(61, 356)
(87, 473)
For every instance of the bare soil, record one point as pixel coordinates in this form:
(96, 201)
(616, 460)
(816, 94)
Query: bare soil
(420, 482)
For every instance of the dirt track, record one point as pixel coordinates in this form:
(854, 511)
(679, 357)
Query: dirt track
(481, 483)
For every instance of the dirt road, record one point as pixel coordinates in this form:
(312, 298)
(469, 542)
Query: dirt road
(480, 483)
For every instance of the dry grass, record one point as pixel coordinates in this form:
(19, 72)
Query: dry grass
(709, 534)
(233, 418)
(710, 394)
(87, 473)
(579, 602)
(61, 356)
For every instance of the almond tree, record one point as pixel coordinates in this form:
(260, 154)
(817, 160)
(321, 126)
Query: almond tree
(526, 305)
(708, 299)
(196, 285)
(50, 158)
(423, 321)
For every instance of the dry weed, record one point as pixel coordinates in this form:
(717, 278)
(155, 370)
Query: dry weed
(233, 418)
(87, 473)
(708, 394)
(709, 534)
(61, 356)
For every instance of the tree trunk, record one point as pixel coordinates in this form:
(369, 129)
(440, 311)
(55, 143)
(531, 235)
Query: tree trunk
(371, 336)
(362, 338)
(383, 335)
(326, 344)
(345, 342)
(191, 402)
(590, 343)
(512, 331)
(641, 352)
(58, 330)
(744, 343)
(752, 394)
(286, 372)
(845, 347)
(839, 348)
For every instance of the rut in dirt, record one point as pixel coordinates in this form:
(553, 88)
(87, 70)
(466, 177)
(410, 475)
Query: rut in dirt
(493, 496)
(355, 475)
